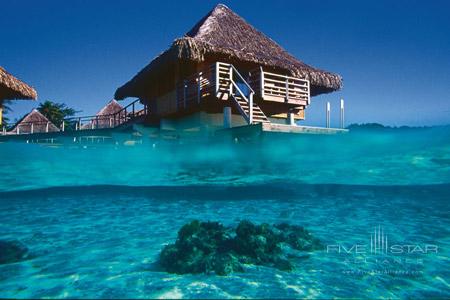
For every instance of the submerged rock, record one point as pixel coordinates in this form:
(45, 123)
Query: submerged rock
(12, 251)
(207, 247)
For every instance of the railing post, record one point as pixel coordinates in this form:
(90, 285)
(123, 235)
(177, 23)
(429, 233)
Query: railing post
(46, 127)
(32, 128)
(199, 86)
(309, 91)
(217, 78)
(328, 114)
(184, 92)
(250, 108)
(4, 130)
(287, 89)
(79, 123)
(231, 80)
(110, 122)
(262, 82)
(17, 129)
(342, 114)
(133, 109)
(63, 125)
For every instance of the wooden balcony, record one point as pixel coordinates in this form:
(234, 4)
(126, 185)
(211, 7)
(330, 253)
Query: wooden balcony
(280, 88)
(215, 80)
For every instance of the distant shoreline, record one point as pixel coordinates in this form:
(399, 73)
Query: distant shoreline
(378, 126)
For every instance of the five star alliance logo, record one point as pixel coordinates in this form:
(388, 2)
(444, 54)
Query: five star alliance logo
(378, 241)
(381, 245)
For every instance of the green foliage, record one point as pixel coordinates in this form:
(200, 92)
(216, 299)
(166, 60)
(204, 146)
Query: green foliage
(56, 112)
(6, 109)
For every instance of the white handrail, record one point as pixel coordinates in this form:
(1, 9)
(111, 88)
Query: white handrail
(249, 116)
(242, 78)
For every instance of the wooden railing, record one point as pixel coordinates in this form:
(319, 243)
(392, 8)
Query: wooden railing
(215, 79)
(131, 111)
(32, 127)
(195, 87)
(126, 114)
(237, 85)
(280, 88)
(219, 79)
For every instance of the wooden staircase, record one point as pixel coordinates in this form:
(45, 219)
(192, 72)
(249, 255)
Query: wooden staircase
(228, 78)
(243, 106)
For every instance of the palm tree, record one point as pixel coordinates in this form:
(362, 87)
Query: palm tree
(5, 109)
(56, 112)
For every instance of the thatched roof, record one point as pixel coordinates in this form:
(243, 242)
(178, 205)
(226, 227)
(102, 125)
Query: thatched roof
(12, 88)
(224, 34)
(111, 108)
(105, 116)
(39, 123)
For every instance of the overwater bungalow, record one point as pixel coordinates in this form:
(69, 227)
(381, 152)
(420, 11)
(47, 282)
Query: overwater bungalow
(225, 73)
(33, 122)
(12, 88)
(107, 117)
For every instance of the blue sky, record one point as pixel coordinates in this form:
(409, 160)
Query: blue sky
(394, 56)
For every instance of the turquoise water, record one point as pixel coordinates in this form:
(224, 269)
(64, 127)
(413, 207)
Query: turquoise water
(95, 217)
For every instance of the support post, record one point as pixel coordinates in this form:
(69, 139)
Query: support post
(328, 114)
(46, 127)
(17, 129)
(32, 128)
(342, 114)
(4, 130)
(63, 125)
(227, 117)
(110, 122)
(290, 117)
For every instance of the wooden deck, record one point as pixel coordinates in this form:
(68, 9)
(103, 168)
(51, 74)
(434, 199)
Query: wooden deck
(271, 129)
(281, 128)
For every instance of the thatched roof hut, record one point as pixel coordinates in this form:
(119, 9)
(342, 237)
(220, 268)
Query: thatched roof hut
(111, 108)
(222, 35)
(12, 88)
(32, 123)
(105, 117)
